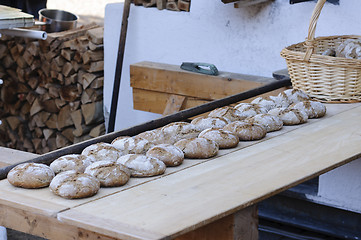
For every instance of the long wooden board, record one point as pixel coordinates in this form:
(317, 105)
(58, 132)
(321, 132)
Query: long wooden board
(185, 200)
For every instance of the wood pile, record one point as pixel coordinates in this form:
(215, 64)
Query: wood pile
(173, 5)
(52, 91)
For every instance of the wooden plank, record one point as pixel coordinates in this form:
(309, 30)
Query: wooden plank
(174, 104)
(223, 185)
(11, 156)
(172, 79)
(156, 102)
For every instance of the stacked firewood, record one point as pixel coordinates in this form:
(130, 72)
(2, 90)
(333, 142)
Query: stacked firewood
(52, 90)
(174, 5)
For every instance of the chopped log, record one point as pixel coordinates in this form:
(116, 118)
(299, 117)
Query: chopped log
(35, 107)
(13, 122)
(93, 56)
(95, 66)
(97, 83)
(60, 102)
(149, 3)
(14, 53)
(64, 117)
(37, 144)
(83, 129)
(82, 44)
(61, 141)
(71, 79)
(161, 4)
(68, 54)
(36, 64)
(54, 66)
(53, 89)
(33, 82)
(97, 131)
(52, 122)
(28, 58)
(50, 106)
(51, 144)
(172, 6)
(95, 47)
(96, 35)
(48, 133)
(67, 69)
(77, 118)
(8, 61)
(20, 61)
(60, 61)
(88, 78)
(38, 132)
(69, 93)
(92, 112)
(74, 105)
(33, 48)
(68, 133)
(31, 97)
(183, 5)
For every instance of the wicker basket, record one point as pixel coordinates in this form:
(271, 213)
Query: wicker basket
(324, 78)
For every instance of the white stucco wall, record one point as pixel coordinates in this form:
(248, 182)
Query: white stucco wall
(242, 40)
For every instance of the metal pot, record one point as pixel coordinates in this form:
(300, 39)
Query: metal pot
(53, 20)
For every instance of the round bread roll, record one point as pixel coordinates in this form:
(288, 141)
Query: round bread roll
(250, 109)
(229, 113)
(265, 102)
(312, 108)
(224, 139)
(293, 96)
(72, 184)
(167, 153)
(175, 131)
(102, 151)
(135, 145)
(270, 122)
(109, 173)
(30, 175)
(154, 136)
(246, 131)
(290, 116)
(142, 166)
(204, 122)
(75, 162)
(280, 101)
(198, 147)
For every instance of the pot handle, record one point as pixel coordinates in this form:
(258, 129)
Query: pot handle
(38, 23)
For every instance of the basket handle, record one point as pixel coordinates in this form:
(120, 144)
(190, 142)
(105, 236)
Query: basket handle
(309, 43)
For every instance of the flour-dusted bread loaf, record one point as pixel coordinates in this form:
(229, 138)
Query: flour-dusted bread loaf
(250, 109)
(205, 122)
(350, 48)
(167, 153)
(142, 166)
(154, 136)
(290, 116)
(136, 145)
(198, 147)
(75, 162)
(31, 175)
(224, 139)
(270, 122)
(176, 131)
(293, 96)
(229, 113)
(246, 131)
(265, 102)
(102, 151)
(109, 173)
(72, 185)
(312, 108)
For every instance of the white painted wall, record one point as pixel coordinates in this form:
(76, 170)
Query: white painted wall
(244, 40)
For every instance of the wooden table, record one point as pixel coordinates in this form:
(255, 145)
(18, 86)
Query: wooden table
(209, 198)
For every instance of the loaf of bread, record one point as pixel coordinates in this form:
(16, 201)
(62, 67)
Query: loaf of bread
(176, 131)
(270, 122)
(72, 184)
(135, 145)
(246, 131)
(109, 173)
(290, 116)
(293, 96)
(154, 136)
(224, 139)
(265, 102)
(102, 151)
(75, 162)
(142, 165)
(250, 109)
(312, 108)
(167, 153)
(204, 122)
(229, 113)
(30, 175)
(198, 147)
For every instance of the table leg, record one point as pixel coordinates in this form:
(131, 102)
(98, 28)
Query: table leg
(242, 225)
